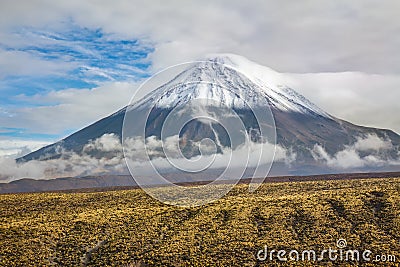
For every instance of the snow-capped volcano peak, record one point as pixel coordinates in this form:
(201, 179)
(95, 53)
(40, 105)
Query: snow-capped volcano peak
(233, 81)
(249, 68)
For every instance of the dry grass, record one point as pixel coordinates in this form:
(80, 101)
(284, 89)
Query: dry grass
(128, 228)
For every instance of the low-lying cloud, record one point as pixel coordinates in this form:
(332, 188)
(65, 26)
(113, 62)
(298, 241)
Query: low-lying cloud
(355, 156)
(104, 156)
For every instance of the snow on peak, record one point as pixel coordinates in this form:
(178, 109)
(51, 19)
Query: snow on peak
(247, 82)
(271, 81)
(248, 67)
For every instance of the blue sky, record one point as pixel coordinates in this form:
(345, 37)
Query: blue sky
(92, 58)
(87, 57)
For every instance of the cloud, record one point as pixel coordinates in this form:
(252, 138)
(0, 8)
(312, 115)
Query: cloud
(308, 37)
(352, 157)
(10, 170)
(248, 155)
(104, 155)
(70, 164)
(17, 147)
(361, 98)
(372, 142)
(58, 111)
(106, 143)
(23, 63)
(88, 53)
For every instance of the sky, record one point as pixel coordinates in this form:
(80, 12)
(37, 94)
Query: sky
(66, 64)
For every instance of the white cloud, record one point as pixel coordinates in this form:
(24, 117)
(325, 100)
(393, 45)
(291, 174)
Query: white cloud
(70, 108)
(361, 98)
(106, 143)
(113, 161)
(68, 166)
(301, 37)
(17, 147)
(70, 163)
(248, 155)
(351, 157)
(10, 170)
(372, 142)
(23, 63)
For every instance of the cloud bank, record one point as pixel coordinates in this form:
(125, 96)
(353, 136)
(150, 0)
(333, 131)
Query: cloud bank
(104, 156)
(353, 157)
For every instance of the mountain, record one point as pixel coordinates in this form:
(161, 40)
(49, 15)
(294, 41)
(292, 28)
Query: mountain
(313, 141)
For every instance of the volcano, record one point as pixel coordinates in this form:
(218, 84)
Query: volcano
(314, 141)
